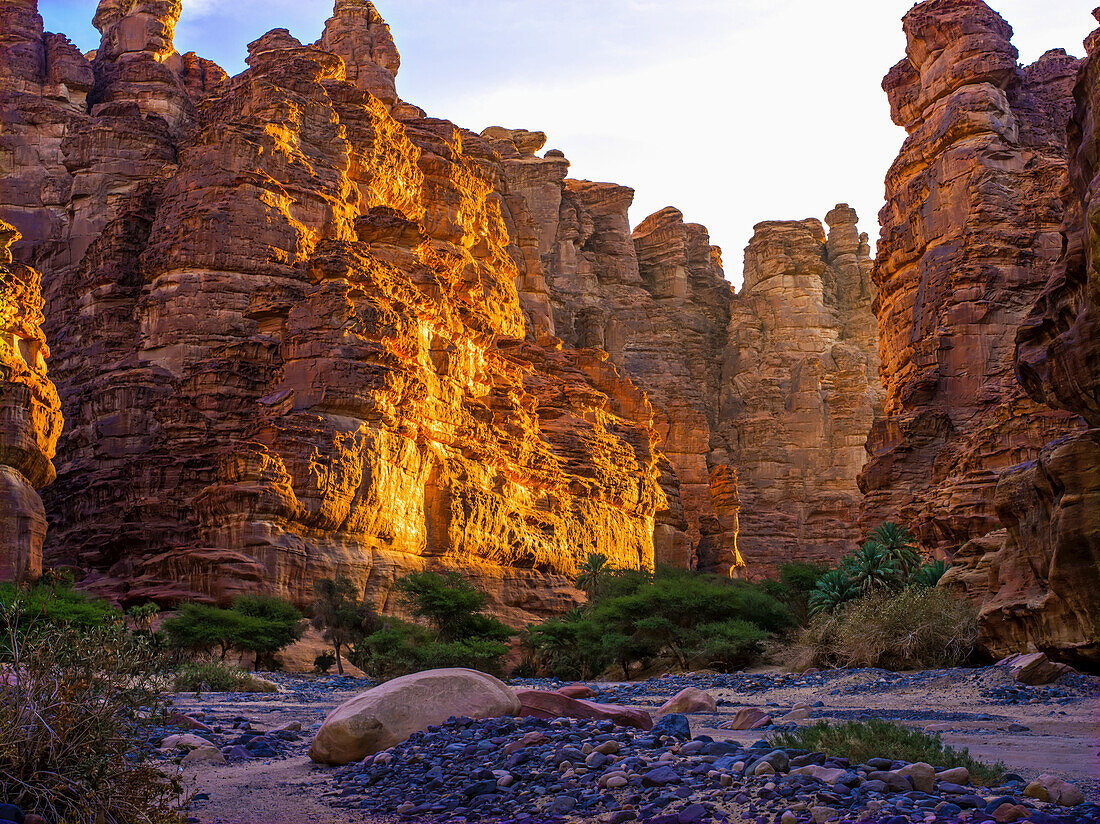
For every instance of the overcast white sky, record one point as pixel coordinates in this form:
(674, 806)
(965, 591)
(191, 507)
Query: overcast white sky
(734, 111)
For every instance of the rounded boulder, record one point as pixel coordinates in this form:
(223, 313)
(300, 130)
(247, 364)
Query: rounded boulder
(388, 714)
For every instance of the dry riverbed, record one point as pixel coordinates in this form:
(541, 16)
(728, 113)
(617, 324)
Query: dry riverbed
(1033, 730)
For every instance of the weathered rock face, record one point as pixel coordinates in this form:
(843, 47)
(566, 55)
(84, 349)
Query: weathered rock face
(30, 416)
(970, 235)
(1037, 579)
(290, 341)
(800, 388)
(717, 367)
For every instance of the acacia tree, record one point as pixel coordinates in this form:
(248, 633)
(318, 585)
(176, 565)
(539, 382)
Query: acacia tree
(341, 614)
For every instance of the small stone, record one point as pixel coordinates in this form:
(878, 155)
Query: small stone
(609, 747)
(1010, 812)
(660, 776)
(745, 719)
(788, 818)
(922, 775)
(617, 781)
(1058, 791)
(764, 768)
(957, 775)
(823, 814)
(674, 724)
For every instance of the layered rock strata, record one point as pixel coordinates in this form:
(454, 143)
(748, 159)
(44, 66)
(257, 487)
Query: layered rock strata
(290, 341)
(739, 435)
(1038, 579)
(800, 388)
(970, 235)
(30, 417)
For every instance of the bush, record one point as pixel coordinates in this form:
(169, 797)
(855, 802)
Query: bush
(324, 662)
(259, 624)
(796, 583)
(458, 635)
(76, 702)
(917, 628)
(217, 676)
(637, 617)
(858, 741)
(55, 604)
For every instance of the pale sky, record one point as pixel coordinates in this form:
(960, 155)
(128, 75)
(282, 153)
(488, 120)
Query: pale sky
(734, 111)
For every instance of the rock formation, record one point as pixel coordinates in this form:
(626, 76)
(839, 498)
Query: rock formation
(289, 338)
(800, 388)
(30, 416)
(717, 366)
(970, 235)
(1038, 579)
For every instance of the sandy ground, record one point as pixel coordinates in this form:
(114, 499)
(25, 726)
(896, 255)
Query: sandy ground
(1062, 738)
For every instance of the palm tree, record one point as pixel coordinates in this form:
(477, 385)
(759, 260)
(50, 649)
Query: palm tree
(898, 543)
(929, 575)
(593, 573)
(833, 589)
(871, 567)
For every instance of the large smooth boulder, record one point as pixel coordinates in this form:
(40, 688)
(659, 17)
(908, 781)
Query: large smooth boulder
(388, 714)
(545, 704)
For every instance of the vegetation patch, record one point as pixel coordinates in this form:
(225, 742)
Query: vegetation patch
(859, 741)
(79, 693)
(217, 676)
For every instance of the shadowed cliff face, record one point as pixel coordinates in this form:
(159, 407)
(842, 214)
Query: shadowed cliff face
(970, 235)
(762, 399)
(1037, 580)
(987, 324)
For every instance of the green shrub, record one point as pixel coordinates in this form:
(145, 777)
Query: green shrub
(858, 741)
(795, 585)
(55, 604)
(639, 617)
(916, 628)
(459, 634)
(216, 676)
(76, 702)
(324, 662)
(258, 624)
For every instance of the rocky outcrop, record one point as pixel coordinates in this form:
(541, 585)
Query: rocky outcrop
(800, 388)
(30, 417)
(1037, 579)
(970, 235)
(292, 336)
(752, 456)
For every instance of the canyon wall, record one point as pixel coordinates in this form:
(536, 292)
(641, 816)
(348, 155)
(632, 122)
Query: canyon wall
(1038, 579)
(762, 398)
(30, 416)
(987, 314)
(970, 236)
(288, 333)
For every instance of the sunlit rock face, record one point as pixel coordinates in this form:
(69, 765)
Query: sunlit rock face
(717, 367)
(970, 236)
(296, 334)
(1037, 580)
(801, 388)
(30, 416)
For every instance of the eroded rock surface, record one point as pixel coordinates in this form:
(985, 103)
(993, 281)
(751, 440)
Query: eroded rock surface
(30, 416)
(290, 341)
(1038, 579)
(800, 387)
(970, 236)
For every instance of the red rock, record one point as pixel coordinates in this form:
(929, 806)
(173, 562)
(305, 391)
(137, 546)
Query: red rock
(546, 704)
(689, 700)
(577, 691)
(1034, 668)
(1011, 812)
(1036, 578)
(747, 719)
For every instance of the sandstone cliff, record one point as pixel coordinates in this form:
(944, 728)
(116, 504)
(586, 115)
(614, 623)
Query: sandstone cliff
(288, 334)
(970, 235)
(800, 388)
(30, 416)
(754, 455)
(1038, 579)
